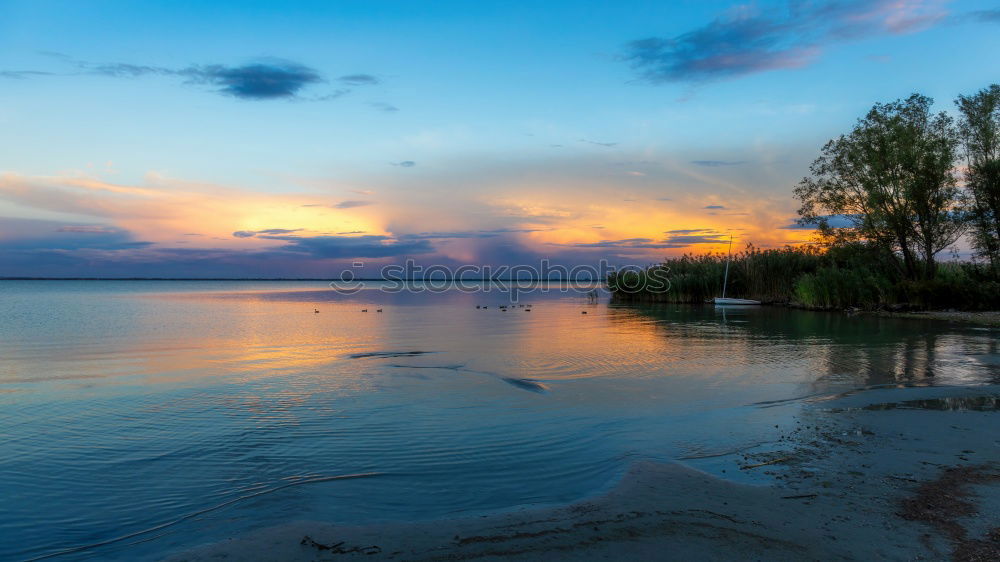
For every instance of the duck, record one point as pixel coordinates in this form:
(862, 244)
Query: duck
(583, 312)
(315, 311)
(379, 310)
(364, 310)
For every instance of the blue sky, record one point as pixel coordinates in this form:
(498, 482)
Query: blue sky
(137, 138)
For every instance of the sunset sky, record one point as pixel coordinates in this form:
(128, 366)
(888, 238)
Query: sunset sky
(290, 139)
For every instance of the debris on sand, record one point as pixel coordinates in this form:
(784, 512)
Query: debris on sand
(945, 500)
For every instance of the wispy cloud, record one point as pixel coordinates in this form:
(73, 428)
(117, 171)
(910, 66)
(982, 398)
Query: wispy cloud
(717, 163)
(261, 80)
(987, 16)
(597, 143)
(268, 232)
(464, 234)
(626, 243)
(748, 39)
(404, 164)
(714, 207)
(28, 235)
(367, 246)
(359, 80)
(676, 239)
(22, 74)
(350, 204)
(383, 106)
(681, 240)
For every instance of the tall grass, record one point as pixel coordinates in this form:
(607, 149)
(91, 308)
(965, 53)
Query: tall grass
(767, 275)
(834, 287)
(845, 276)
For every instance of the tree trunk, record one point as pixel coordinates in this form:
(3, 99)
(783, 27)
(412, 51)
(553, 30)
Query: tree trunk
(930, 267)
(908, 261)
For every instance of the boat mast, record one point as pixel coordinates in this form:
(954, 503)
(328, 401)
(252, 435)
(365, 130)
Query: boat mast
(729, 255)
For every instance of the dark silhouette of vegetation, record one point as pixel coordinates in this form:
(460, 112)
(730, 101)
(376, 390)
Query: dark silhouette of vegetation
(979, 129)
(892, 179)
(886, 200)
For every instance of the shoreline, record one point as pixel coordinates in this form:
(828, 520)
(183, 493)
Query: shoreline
(982, 318)
(844, 483)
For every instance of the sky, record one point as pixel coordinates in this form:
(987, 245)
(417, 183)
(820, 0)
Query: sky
(298, 139)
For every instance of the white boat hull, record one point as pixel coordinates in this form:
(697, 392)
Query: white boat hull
(719, 301)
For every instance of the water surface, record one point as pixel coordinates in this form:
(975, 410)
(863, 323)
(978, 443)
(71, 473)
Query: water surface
(142, 417)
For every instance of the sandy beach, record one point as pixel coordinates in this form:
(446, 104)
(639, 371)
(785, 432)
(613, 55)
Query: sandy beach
(893, 473)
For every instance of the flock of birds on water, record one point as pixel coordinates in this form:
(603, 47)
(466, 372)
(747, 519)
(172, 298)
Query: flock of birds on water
(502, 307)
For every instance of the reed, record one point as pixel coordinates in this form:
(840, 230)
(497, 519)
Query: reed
(846, 276)
(767, 275)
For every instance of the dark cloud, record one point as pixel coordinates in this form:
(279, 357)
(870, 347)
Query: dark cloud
(747, 40)
(717, 163)
(382, 106)
(277, 79)
(262, 80)
(404, 164)
(245, 233)
(714, 207)
(352, 204)
(359, 80)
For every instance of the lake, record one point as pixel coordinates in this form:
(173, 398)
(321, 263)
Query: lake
(139, 418)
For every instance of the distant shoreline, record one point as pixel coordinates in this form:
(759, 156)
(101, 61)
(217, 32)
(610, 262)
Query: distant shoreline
(327, 280)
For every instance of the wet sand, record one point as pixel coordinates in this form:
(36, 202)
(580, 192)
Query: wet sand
(897, 474)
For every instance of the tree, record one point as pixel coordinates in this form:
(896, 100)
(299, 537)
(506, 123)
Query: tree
(979, 128)
(892, 180)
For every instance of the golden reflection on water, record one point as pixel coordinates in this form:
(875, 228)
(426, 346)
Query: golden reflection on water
(245, 336)
(127, 408)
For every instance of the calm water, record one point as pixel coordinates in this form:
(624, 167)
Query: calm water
(127, 409)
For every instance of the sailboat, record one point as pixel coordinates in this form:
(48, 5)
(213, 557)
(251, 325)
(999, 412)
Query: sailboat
(723, 301)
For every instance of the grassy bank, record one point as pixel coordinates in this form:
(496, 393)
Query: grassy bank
(849, 276)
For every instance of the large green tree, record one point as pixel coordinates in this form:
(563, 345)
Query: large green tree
(979, 127)
(892, 180)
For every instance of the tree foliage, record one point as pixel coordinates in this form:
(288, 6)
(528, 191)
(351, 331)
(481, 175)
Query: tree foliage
(979, 128)
(892, 180)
